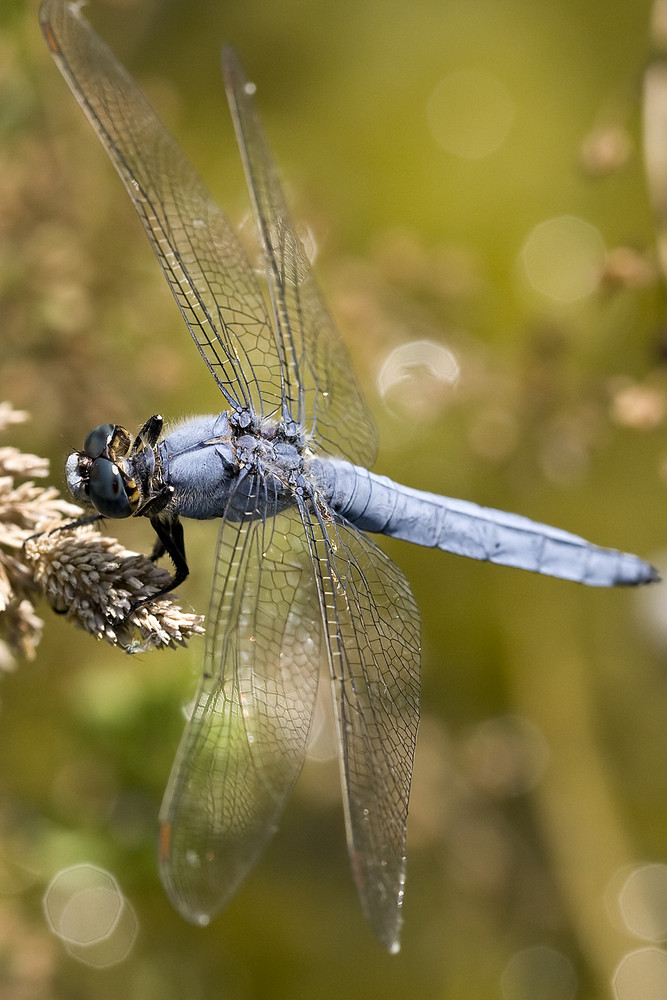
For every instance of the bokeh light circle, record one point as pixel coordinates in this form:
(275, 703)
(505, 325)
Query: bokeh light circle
(541, 972)
(85, 908)
(470, 113)
(642, 975)
(564, 258)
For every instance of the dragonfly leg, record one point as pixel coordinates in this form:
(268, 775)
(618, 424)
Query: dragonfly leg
(149, 433)
(170, 540)
(159, 549)
(78, 523)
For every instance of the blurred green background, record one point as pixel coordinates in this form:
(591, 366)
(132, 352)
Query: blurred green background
(425, 144)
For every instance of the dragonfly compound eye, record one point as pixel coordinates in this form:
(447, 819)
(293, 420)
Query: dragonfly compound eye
(98, 440)
(107, 489)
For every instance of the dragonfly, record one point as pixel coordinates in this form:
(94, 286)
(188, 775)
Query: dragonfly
(299, 588)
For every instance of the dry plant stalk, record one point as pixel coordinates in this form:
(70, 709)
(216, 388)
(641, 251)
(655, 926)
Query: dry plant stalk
(88, 577)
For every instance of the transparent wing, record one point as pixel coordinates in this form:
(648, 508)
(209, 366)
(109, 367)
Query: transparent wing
(245, 742)
(300, 370)
(319, 382)
(206, 267)
(373, 636)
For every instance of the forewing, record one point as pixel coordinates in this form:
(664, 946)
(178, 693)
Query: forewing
(373, 636)
(320, 387)
(245, 742)
(206, 267)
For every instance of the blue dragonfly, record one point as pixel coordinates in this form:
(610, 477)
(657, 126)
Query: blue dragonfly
(298, 585)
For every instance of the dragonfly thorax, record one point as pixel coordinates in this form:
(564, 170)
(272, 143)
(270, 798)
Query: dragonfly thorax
(221, 465)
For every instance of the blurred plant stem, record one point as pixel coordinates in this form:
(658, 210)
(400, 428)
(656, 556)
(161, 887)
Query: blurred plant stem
(576, 805)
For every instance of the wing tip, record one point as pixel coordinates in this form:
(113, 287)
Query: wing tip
(47, 29)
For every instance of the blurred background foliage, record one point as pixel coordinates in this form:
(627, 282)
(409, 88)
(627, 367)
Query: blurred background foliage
(472, 179)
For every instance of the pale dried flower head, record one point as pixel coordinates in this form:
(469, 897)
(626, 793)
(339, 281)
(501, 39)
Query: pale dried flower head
(91, 579)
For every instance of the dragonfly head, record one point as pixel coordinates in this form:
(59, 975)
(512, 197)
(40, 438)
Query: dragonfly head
(99, 475)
